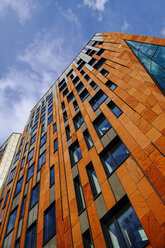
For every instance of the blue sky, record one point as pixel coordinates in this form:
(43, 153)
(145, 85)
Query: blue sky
(39, 39)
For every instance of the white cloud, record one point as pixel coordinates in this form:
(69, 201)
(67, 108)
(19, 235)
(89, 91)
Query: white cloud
(70, 16)
(125, 26)
(20, 89)
(21, 7)
(96, 4)
(163, 31)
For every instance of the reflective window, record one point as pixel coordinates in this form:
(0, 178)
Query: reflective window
(54, 127)
(84, 95)
(34, 127)
(98, 99)
(43, 109)
(18, 186)
(42, 128)
(88, 139)
(30, 172)
(23, 207)
(30, 155)
(79, 194)
(41, 160)
(42, 118)
(22, 163)
(31, 236)
(49, 96)
(78, 120)
(55, 145)
(50, 109)
(26, 147)
(111, 85)
(17, 157)
(11, 175)
(7, 195)
(51, 176)
(115, 109)
(87, 240)
(11, 222)
(68, 133)
(65, 116)
(50, 119)
(50, 101)
(94, 183)
(43, 140)
(102, 125)
(49, 223)
(33, 138)
(34, 195)
(75, 153)
(75, 105)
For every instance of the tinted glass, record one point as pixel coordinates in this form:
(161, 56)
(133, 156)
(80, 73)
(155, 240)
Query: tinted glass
(120, 153)
(34, 195)
(30, 172)
(18, 187)
(51, 176)
(103, 126)
(11, 221)
(31, 237)
(49, 223)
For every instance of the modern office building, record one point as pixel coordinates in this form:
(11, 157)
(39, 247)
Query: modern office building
(7, 152)
(89, 169)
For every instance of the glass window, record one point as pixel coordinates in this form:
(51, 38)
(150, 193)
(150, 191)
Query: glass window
(122, 228)
(55, 145)
(79, 195)
(88, 139)
(99, 63)
(113, 156)
(17, 157)
(93, 84)
(75, 105)
(65, 116)
(33, 138)
(11, 175)
(49, 96)
(98, 99)
(87, 240)
(49, 223)
(63, 105)
(30, 172)
(43, 109)
(68, 133)
(102, 125)
(115, 109)
(37, 110)
(23, 207)
(43, 140)
(111, 85)
(30, 155)
(18, 186)
(31, 236)
(65, 92)
(51, 176)
(34, 195)
(11, 222)
(41, 160)
(50, 101)
(7, 195)
(26, 147)
(34, 127)
(84, 95)
(104, 72)
(42, 118)
(70, 96)
(94, 183)
(42, 128)
(50, 109)
(79, 86)
(50, 119)
(36, 118)
(17, 245)
(78, 120)
(54, 127)
(75, 153)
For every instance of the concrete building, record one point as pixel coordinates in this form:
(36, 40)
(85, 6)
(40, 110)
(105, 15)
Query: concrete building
(89, 169)
(7, 152)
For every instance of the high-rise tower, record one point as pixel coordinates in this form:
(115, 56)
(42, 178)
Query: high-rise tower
(89, 169)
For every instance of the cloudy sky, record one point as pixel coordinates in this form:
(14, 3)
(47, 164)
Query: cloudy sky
(39, 39)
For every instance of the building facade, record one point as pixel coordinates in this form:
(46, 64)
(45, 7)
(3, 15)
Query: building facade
(89, 168)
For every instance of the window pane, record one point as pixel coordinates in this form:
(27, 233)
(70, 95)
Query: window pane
(103, 126)
(7, 195)
(11, 221)
(96, 182)
(54, 127)
(132, 230)
(34, 195)
(114, 236)
(18, 187)
(108, 164)
(49, 223)
(51, 176)
(30, 172)
(55, 145)
(23, 207)
(31, 237)
(120, 153)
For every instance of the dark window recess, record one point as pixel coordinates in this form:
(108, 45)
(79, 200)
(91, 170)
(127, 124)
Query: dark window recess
(75, 105)
(62, 87)
(95, 187)
(63, 105)
(43, 140)
(70, 96)
(30, 155)
(51, 176)
(111, 85)
(98, 99)
(115, 109)
(11, 175)
(76, 80)
(31, 236)
(75, 153)
(101, 125)
(100, 52)
(34, 195)
(84, 95)
(17, 244)
(104, 72)
(65, 92)
(92, 52)
(79, 61)
(87, 78)
(7, 195)
(42, 128)
(22, 163)
(79, 86)
(43, 109)
(81, 65)
(82, 72)
(11, 222)
(54, 127)
(92, 61)
(50, 119)
(50, 101)
(122, 228)
(41, 160)
(68, 133)
(61, 83)
(99, 63)
(38, 109)
(69, 73)
(18, 187)
(30, 172)
(50, 109)
(49, 96)
(79, 195)
(23, 207)
(113, 156)
(43, 102)
(87, 240)
(33, 138)
(36, 118)
(1, 202)
(49, 223)
(17, 157)
(94, 86)
(55, 145)
(78, 120)
(65, 116)
(88, 139)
